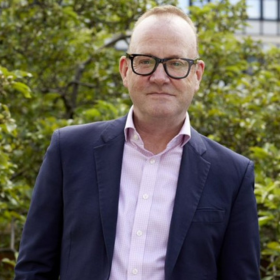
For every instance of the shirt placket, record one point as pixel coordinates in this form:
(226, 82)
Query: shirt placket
(141, 220)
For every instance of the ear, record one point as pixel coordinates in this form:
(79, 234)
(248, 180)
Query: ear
(123, 68)
(199, 69)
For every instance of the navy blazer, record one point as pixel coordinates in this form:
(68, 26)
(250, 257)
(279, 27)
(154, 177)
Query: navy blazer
(71, 225)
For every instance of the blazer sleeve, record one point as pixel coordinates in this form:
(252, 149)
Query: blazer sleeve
(240, 256)
(39, 254)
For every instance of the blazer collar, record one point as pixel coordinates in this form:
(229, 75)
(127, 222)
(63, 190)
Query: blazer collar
(113, 129)
(196, 142)
(108, 158)
(192, 177)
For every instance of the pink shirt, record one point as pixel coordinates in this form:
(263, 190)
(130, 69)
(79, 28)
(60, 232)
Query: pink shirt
(147, 193)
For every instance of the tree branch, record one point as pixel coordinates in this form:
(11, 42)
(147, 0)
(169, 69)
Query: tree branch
(80, 70)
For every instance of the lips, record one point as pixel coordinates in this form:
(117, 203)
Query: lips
(161, 94)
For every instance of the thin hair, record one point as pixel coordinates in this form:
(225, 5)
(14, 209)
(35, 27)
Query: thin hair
(168, 10)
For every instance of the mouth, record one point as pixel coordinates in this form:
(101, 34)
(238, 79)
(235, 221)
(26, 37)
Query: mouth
(160, 94)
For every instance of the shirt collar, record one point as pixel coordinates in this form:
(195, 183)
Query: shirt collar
(183, 136)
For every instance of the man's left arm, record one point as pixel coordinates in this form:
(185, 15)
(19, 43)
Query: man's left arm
(240, 255)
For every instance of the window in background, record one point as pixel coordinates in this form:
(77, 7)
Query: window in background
(263, 15)
(270, 10)
(254, 9)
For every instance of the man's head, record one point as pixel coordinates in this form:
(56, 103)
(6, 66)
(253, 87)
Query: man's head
(166, 11)
(164, 32)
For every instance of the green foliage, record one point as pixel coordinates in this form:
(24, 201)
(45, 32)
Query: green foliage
(11, 194)
(267, 160)
(69, 47)
(238, 105)
(9, 81)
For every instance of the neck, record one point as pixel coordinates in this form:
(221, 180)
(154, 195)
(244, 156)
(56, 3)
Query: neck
(157, 134)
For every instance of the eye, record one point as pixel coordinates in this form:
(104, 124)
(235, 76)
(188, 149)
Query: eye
(145, 61)
(176, 63)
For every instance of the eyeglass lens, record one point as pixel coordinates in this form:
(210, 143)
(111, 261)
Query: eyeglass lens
(145, 65)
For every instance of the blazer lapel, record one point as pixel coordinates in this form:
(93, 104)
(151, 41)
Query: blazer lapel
(108, 159)
(193, 173)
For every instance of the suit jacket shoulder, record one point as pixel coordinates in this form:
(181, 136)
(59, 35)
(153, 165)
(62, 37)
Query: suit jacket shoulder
(92, 133)
(217, 154)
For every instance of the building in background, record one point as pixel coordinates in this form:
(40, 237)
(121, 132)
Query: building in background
(263, 21)
(263, 18)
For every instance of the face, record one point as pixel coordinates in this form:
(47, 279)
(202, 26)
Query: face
(158, 96)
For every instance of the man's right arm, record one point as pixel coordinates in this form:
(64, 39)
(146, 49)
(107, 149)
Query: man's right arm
(39, 254)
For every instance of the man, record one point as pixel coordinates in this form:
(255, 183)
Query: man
(145, 196)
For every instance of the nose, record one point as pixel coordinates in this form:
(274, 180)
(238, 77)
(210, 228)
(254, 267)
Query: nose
(159, 76)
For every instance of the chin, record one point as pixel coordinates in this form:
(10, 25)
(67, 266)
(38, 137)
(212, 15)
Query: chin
(162, 112)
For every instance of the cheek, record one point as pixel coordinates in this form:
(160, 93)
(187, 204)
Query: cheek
(191, 82)
(136, 83)
(184, 86)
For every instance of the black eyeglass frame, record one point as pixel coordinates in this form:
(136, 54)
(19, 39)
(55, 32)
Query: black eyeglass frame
(163, 61)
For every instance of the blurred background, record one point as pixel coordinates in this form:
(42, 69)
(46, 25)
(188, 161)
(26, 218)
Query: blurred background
(59, 66)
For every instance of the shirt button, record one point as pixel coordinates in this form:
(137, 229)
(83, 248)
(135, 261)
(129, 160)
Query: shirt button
(152, 161)
(135, 136)
(145, 196)
(134, 271)
(139, 233)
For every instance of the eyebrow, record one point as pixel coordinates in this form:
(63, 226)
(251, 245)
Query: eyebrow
(170, 56)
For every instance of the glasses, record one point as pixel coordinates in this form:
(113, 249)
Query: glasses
(176, 68)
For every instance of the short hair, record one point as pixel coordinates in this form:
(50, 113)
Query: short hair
(167, 10)
(171, 11)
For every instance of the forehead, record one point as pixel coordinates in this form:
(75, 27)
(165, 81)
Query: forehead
(163, 36)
